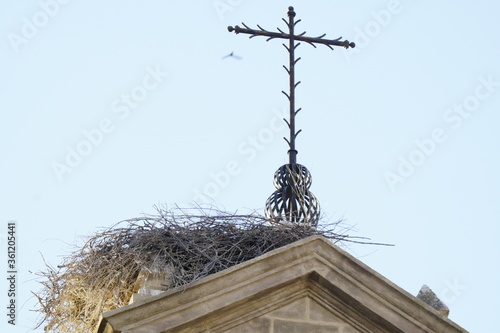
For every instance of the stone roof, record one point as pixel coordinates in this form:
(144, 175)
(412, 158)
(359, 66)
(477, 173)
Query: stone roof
(308, 286)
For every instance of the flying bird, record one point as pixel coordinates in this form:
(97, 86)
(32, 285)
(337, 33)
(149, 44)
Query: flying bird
(232, 55)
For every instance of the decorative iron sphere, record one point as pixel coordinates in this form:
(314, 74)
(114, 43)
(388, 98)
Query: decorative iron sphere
(296, 175)
(290, 204)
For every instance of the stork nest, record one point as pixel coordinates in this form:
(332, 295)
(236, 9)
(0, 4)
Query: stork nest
(103, 274)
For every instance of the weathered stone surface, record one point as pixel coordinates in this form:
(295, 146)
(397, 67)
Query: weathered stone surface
(259, 324)
(318, 313)
(300, 315)
(294, 310)
(285, 326)
(151, 282)
(429, 297)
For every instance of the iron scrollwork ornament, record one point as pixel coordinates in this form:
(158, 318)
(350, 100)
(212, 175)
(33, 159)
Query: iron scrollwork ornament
(292, 202)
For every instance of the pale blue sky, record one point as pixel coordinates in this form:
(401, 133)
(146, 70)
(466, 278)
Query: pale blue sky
(400, 134)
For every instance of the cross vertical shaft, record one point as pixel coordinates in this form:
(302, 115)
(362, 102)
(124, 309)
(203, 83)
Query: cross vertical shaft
(292, 152)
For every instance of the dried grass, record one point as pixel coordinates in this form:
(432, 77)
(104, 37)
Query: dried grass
(192, 243)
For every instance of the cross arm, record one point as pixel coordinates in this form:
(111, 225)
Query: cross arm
(311, 40)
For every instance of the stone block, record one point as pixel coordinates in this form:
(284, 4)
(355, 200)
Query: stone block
(294, 310)
(428, 296)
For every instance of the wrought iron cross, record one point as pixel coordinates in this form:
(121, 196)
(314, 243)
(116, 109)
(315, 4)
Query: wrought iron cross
(291, 68)
(292, 202)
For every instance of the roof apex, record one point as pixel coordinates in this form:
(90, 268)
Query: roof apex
(311, 267)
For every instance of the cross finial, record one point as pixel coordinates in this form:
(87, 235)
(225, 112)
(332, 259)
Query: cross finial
(292, 201)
